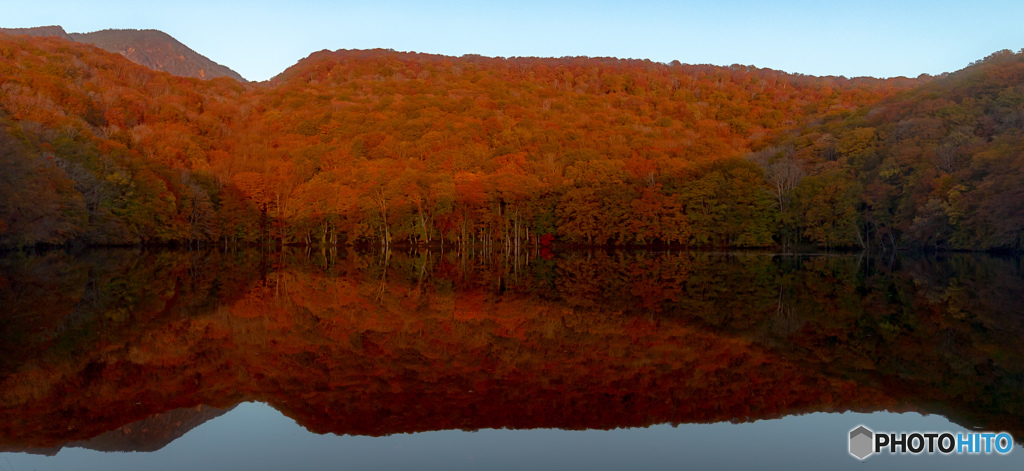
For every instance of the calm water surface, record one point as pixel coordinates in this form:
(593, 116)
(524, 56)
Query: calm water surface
(129, 359)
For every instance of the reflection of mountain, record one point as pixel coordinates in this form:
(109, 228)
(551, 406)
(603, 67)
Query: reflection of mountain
(356, 344)
(153, 433)
(150, 434)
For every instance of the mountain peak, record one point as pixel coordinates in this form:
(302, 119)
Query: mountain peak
(148, 47)
(39, 31)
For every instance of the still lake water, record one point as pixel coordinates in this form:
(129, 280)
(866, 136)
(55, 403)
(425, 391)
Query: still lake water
(135, 359)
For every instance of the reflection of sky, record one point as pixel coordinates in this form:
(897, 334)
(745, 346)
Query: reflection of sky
(256, 437)
(260, 38)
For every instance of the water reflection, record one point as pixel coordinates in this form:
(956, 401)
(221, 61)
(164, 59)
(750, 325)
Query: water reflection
(255, 437)
(376, 344)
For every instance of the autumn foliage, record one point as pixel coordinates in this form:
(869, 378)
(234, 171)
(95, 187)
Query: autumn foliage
(380, 146)
(938, 166)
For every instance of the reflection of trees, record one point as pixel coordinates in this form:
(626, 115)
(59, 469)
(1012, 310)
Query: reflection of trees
(587, 340)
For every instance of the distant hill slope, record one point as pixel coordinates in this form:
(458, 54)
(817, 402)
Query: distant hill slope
(40, 31)
(151, 48)
(158, 51)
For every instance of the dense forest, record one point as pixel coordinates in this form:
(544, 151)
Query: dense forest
(382, 147)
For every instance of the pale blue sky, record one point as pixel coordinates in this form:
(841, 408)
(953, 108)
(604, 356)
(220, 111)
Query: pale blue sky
(260, 38)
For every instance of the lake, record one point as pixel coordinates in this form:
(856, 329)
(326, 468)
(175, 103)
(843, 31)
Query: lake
(307, 359)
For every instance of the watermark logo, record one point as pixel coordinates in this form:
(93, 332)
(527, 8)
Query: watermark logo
(861, 442)
(864, 442)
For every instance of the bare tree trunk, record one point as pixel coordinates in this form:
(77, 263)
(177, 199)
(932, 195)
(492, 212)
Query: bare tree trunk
(382, 202)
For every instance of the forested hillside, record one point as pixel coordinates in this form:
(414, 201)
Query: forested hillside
(386, 147)
(938, 166)
(98, 149)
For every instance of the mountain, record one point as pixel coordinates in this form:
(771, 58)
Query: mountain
(386, 147)
(151, 48)
(371, 145)
(158, 51)
(39, 31)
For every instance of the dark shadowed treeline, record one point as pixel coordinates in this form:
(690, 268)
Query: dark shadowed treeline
(938, 166)
(388, 343)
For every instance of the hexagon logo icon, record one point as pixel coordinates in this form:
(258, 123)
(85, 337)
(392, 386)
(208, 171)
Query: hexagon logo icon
(861, 441)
